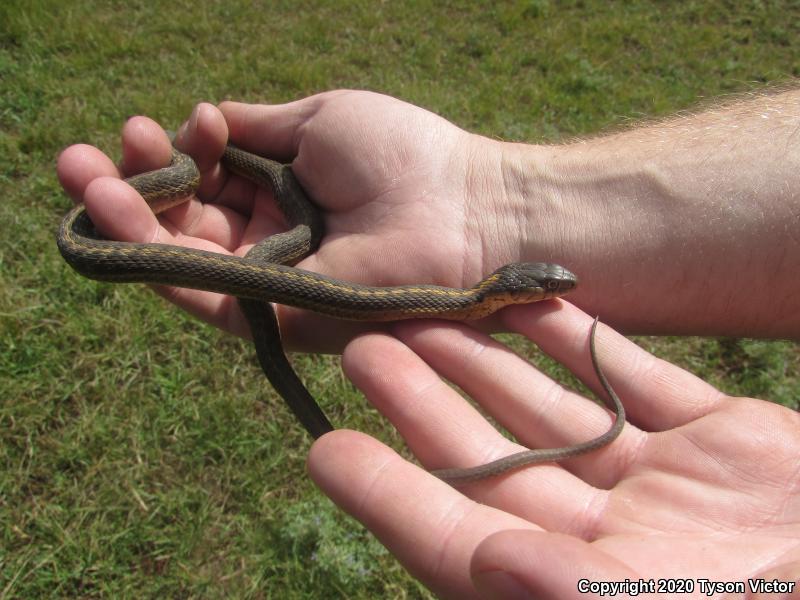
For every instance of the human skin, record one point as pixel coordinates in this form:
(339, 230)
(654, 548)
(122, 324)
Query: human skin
(674, 228)
(692, 222)
(699, 485)
(685, 227)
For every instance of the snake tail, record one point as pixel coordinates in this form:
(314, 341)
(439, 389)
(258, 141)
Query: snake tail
(545, 455)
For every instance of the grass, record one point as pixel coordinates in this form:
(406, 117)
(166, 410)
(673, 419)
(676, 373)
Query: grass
(132, 464)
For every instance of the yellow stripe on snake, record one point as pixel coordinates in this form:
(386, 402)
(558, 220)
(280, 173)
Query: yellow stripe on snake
(266, 275)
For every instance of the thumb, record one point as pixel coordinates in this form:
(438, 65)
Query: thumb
(536, 564)
(272, 130)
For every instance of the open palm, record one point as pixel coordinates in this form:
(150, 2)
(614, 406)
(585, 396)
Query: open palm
(699, 485)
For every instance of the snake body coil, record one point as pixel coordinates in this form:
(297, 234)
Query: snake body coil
(264, 275)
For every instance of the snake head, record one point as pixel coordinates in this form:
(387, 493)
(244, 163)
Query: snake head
(521, 283)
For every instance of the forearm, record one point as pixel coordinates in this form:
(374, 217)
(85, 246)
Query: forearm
(687, 226)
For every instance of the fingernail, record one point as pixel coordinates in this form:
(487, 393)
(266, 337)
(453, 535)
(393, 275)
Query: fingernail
(194, 117)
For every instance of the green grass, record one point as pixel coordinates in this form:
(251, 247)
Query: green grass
(132, 463)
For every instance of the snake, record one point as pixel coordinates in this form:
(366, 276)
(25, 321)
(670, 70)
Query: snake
(267, 274)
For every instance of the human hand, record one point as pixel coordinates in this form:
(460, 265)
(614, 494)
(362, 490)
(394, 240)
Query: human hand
(698, 486)
(405, 195)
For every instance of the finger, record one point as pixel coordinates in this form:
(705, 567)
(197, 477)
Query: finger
(657, 395)
(535, 564)
(231, 217)
(431, 528)
(120, 213)
(145, 146)
(236, 215)
(418, 403)
(79, 165)
(270, 130)
(255, 215)
(203, 136)
(444, 430)
(538, 411)
(306, 331)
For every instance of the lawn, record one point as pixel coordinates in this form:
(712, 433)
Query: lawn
(131, 463)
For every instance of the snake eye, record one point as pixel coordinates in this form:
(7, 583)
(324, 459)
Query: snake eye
(552, 284)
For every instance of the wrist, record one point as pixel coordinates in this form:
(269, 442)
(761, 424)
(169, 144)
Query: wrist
(519, 212)
(551, 212)
(566, 214)
(605, 217)
(655, 248)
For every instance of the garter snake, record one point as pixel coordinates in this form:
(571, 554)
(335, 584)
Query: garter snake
(266, 274)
